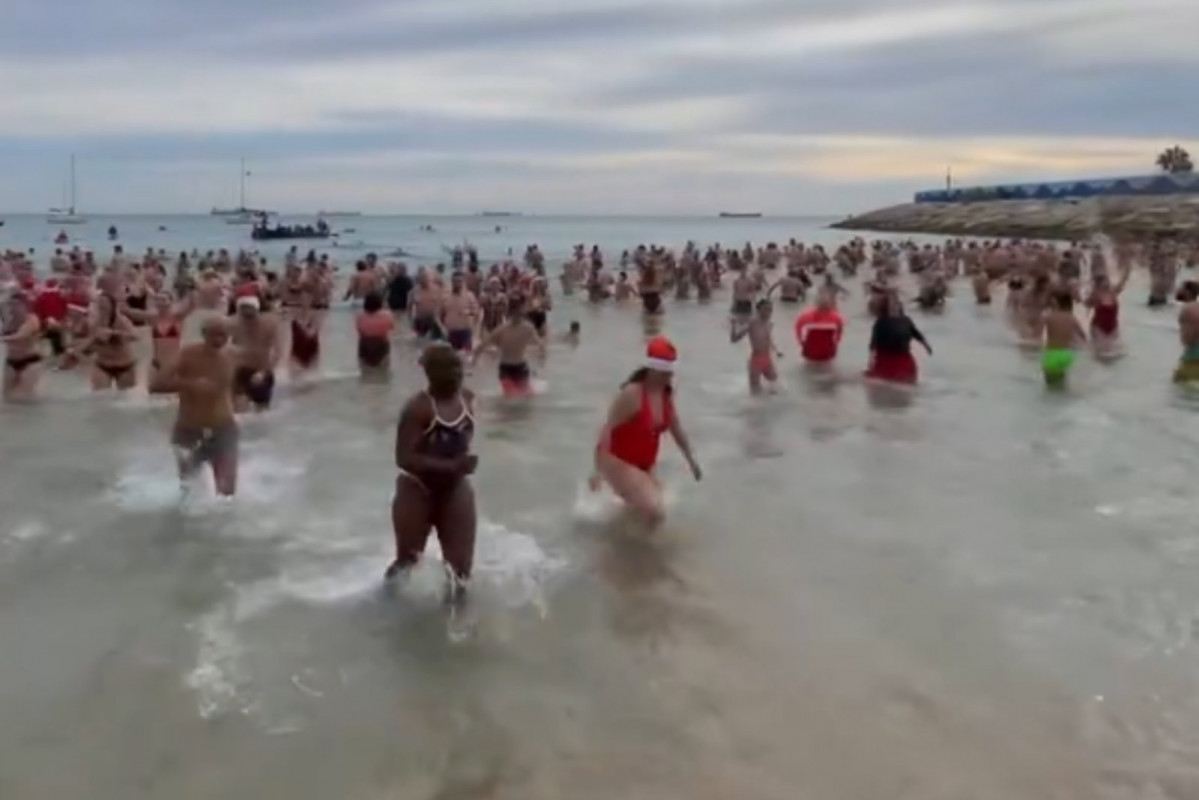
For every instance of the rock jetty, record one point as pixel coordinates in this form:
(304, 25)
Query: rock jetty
(1119, 217)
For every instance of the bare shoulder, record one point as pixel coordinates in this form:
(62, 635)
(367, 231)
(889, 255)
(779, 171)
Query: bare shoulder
(468, 396)
(417, 407)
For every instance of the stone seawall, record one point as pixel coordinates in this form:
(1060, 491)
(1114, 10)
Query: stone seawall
(1118, 217)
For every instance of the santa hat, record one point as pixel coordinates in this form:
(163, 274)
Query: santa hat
(660, 354)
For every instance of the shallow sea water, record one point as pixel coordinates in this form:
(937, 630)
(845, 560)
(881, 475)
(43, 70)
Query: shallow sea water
(974, 590)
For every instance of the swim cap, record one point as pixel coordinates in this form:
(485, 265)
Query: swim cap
(660, 354)
(247, 290)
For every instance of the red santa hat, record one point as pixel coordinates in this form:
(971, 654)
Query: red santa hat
(661, 355)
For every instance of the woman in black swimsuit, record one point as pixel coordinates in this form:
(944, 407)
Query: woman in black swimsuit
(432, 453)
(114, 363)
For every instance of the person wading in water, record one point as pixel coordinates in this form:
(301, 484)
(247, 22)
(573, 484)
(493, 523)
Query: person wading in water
(627, 451)
(432, 453)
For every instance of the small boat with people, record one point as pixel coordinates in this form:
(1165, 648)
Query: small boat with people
(740, 214)
(263, 231)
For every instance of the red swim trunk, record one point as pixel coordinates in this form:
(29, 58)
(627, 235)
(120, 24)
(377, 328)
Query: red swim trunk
(897, 368)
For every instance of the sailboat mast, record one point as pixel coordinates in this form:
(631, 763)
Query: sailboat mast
(241, 206)
(72, 207)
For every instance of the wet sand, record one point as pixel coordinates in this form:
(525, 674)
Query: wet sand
(977, 590)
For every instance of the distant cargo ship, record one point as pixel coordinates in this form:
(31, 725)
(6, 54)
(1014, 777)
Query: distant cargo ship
(339, 214)
(499, 214)
(740, 214)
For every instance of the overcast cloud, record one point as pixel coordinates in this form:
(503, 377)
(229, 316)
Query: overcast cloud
(587, 106)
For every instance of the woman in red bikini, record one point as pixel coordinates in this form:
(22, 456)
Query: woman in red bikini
(166, 329)
(627, 451)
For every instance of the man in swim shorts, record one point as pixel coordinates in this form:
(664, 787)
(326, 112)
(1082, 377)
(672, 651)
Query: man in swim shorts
(205, 429)
(256, 342)
(513, 339)
(1062, 332)
(460, 314)
(1188, 333)
(761, 347)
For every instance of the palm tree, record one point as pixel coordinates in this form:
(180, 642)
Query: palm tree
(1175, 160)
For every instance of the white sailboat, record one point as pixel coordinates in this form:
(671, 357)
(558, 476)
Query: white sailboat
(240, 215)
(67, 216)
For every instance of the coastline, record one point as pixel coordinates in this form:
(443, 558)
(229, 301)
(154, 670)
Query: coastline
(1120, 217)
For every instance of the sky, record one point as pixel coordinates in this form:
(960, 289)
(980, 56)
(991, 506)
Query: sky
(580, 106)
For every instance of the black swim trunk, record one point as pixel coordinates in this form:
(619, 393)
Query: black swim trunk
(18, 365)
(516, 374)
(651, 302)
(1156, 301)
(461, 339)
(789, 300)
(259, 394)
(373, 351)
(537, 318)
(58, 343)
(743, 308)
(207, 444)
(426, 328)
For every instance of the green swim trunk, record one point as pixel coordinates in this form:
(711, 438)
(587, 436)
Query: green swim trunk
(1056, 362)
(1187, 372)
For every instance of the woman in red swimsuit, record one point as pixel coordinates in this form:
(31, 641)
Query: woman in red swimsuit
(305, 336)
(627, 451)
(1104, 302)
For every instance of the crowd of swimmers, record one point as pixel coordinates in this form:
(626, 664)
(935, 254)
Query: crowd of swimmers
(252, 321)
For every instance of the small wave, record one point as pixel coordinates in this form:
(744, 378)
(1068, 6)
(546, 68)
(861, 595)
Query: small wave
(218, 677)
(151, 483)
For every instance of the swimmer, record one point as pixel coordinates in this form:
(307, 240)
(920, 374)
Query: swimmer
(432, 453)
(256, 341)
(571, 337)
(305, 336)
(205, 429)
(22, 361)
(891, 339)
(114, 363)
(1104, 302)
(818, 329)
(375, 326)
(460, 315)
(762, 349)
(513, 339)
(1188, 333)
(627, 450)
(1062, 332)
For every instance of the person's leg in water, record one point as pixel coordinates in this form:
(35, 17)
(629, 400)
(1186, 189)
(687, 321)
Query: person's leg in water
(456, 522)
(638, 489)
(761, 366)
(411, 510)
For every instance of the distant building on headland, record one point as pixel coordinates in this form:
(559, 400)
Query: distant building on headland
(1144, 185)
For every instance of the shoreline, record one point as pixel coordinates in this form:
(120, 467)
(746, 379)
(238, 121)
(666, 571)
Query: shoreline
(1129, 217)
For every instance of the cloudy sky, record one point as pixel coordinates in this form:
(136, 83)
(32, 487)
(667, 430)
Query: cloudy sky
(580, 106)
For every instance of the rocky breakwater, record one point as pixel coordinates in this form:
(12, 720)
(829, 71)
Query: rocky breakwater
(1118, 217)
